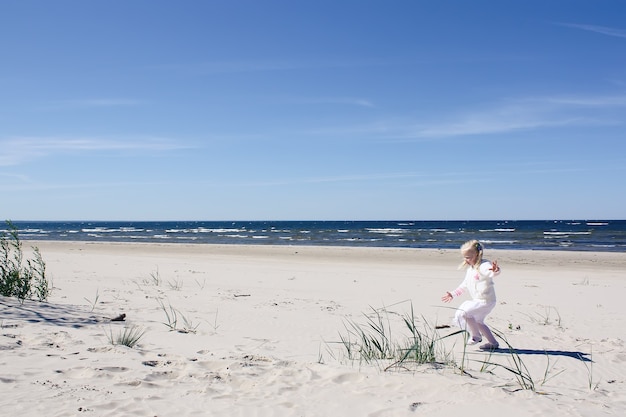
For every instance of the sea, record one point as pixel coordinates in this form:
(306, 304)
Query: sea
(571, 235)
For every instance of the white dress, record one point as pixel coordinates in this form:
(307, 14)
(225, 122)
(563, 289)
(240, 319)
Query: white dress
(479, 283)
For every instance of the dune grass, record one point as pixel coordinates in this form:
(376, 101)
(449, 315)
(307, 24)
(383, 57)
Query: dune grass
(129, 336)
(382, 340)
(21, 278)
(172, 316)
(515, 366)
(374, 341)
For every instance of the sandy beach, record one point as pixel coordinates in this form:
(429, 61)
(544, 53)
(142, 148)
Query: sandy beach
(256, 331)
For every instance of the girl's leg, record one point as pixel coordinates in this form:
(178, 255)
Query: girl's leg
(473, 328)
(465, 319)
(485, 331)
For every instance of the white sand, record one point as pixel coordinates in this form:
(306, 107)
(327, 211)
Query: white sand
(266, 321)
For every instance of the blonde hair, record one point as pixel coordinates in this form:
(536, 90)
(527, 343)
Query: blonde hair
(472, 245)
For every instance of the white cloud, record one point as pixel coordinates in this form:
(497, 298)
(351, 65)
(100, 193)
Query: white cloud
(515, 115)
(351, 101)
(103, 102)
(592, 101)
(17, 150)
(490, 121)
(269, 65)
(619, 33)
(13, 177)
(505, 116)
(92, 103)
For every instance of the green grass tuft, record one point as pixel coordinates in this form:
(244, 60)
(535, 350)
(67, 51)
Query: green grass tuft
(19, 278)
(129, 336)
(374, 341)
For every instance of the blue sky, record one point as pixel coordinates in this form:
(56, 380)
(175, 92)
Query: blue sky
(280, 110)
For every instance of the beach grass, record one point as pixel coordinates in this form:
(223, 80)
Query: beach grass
(129, 336)
(374, 341)
(516, 365)
(20, 278)
(172, 316)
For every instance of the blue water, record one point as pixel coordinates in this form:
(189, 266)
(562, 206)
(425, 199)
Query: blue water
(597, 235)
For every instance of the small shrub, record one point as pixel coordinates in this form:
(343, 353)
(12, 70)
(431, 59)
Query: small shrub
(16, 279)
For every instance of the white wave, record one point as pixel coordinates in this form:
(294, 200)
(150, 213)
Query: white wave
(107, 230)
(218, 230)
(554, 233)
(129, 229)
(500, 242)
(597, 224)
(387, 230)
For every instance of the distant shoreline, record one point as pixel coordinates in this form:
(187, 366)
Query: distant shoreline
(519, 257)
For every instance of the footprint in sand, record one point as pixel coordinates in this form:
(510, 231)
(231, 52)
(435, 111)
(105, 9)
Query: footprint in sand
(113, 369)
(348, 378)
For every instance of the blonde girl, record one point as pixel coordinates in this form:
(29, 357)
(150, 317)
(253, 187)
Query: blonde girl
(478, 282)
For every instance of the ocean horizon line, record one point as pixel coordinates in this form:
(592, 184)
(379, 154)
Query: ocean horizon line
(590, 219)
(589, 235)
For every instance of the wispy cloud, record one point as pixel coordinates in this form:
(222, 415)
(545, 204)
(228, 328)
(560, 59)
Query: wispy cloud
(590, 101)
(105, 102)
(603, 30)
(102, 102)
(19, 178)
(410, 178)
(512, 116)
(17, 150)
(247, 66)
(349, 101)
(480, 126)
(477, 123)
